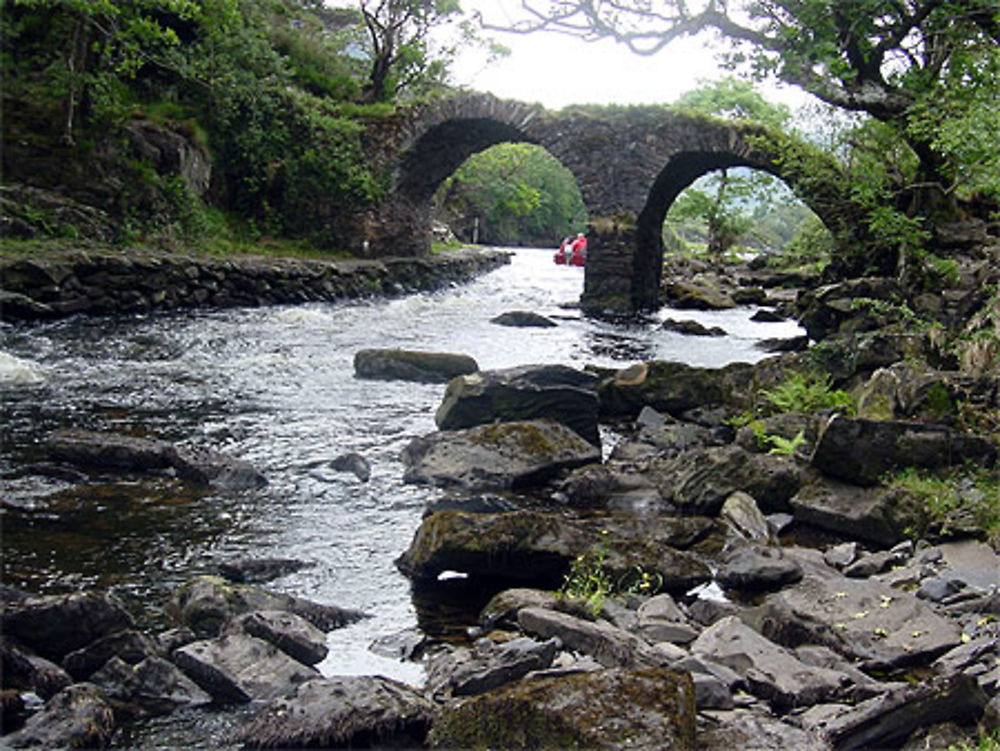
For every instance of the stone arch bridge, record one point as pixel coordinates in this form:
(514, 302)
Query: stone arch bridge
(630, 163)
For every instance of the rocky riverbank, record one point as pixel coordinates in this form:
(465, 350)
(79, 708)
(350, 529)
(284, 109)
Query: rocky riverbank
(103, 281)
(795, 554)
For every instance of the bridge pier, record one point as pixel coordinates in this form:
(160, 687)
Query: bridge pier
(623, 271)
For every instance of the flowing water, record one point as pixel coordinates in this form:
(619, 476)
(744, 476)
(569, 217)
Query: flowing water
(275, 386)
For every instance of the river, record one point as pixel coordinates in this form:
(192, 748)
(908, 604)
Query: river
(275, 386)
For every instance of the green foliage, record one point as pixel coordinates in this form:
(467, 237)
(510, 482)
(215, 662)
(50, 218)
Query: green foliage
(590, 581)
(988, 741)
(806, 391)
(973, 492)
(520, 194)
(782, 446)
(812, 244)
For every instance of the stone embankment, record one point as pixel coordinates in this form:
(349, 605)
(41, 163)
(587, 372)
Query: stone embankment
(55, 285)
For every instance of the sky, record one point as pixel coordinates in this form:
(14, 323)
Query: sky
(557, 70)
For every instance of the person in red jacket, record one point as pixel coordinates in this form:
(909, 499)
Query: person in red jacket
(579, 250)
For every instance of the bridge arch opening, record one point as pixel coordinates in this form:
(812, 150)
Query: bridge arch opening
(511, 194)
(682, 171)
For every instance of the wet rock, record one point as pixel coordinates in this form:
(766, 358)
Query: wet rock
(290, 633)
(525, 393)
(674, 388)
(523, 319)
(872, 623)
(743, 515)
(342, 712)
(886, 721)
(608, 644)
(239, 668)
(355, 463)
(749, 730)
(408, 365)
(77, 717)
(153, 686)
(770, 671)
(786, 344)
(530, 547)
(645, 710)
(767, 316)
(701, 480)
(505, 456)
(206, 602)
(122, 453)
(876, 514)
(24, 671)
(129, 645)
(692, 328)
(755, 568)
(487, 666)
(861, 451)
(260, 570)
(503, 607)
(660, 619)
(700, 293)
(55, 625)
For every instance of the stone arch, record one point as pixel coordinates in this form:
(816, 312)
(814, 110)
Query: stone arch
(630, 164)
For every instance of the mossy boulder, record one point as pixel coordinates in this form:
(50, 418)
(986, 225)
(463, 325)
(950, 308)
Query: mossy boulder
(505, 456)
(538, 547)
(528, 392)
(607, 709)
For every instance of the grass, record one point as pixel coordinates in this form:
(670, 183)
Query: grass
(987, 742)
(972, 490)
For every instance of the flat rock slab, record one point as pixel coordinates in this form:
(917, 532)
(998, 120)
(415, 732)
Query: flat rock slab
(862, 619)
(887, 720)
(239, 668)
(861, 451)
(155, 685)
(609, 645)
(746, 730)
(770, 671)
(506, 456)
(410, 365)
(604, 710)
(877, 514)
(123, 453)
(342, 712)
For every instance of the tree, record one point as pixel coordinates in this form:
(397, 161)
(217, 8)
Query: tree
(398, 40)
(898, 61)
(723, 200)
(520, 194)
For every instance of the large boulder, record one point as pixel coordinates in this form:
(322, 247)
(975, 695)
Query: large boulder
(129, 645)
(835, 307)
(342, 712)
(409, 365)
(528, 392)
(506, 456)
(204, 603)
(55, 625)
(239, 668)
(23, 671)
(700, 481)
(861, 451)
(464, 672)
(644, 710)
(675, 388)
(292, 634)
(533, 546)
